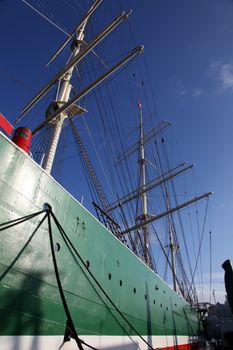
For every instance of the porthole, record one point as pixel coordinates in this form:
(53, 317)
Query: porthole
(167, 308)
(145, 296)
(109, 276)
(161, 305)
(120, 282)
(156, 287)
(57, 247)
(154, 301)
(134, 290)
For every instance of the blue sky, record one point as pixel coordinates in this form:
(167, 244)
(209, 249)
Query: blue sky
(189, 53)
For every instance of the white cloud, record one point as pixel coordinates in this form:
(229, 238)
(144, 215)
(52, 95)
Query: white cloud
(181, 90)
(196, 92)
(214, 66)
(226, 76)
(223, 73)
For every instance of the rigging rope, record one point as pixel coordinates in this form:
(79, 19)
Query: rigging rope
(86, 268)
(210, 233)
(20, 220)
(113, 139)
(11, 223)
(182, 230)
(61, 151)
(24, 247)
(199, 238)
(69, 318)
(165, 254)
(19, 82)
(97, 154)
(46, 18)
(200, 244)
(40, 144)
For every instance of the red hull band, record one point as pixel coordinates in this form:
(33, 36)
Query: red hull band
(194, 346)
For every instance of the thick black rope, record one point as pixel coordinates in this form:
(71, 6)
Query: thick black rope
(74, 334)
(88, 345)
(68, 315)
(20, 220)
(3, 275)
(15, 222)
(93, 277)
(95, 288)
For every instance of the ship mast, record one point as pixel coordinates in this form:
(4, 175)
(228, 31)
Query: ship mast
(63, 97)
(142, 164)
(144, 219)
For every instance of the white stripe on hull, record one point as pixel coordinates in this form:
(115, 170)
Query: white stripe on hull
(99, 342)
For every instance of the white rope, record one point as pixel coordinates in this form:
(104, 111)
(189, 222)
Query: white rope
(46, 18)
(104, 64)
(62, 30)
(78, 4)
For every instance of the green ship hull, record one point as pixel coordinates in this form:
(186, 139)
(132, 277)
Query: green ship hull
(32, 313)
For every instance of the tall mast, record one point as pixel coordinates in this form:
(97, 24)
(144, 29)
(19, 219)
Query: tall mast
(142, 164)
(63, 97)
